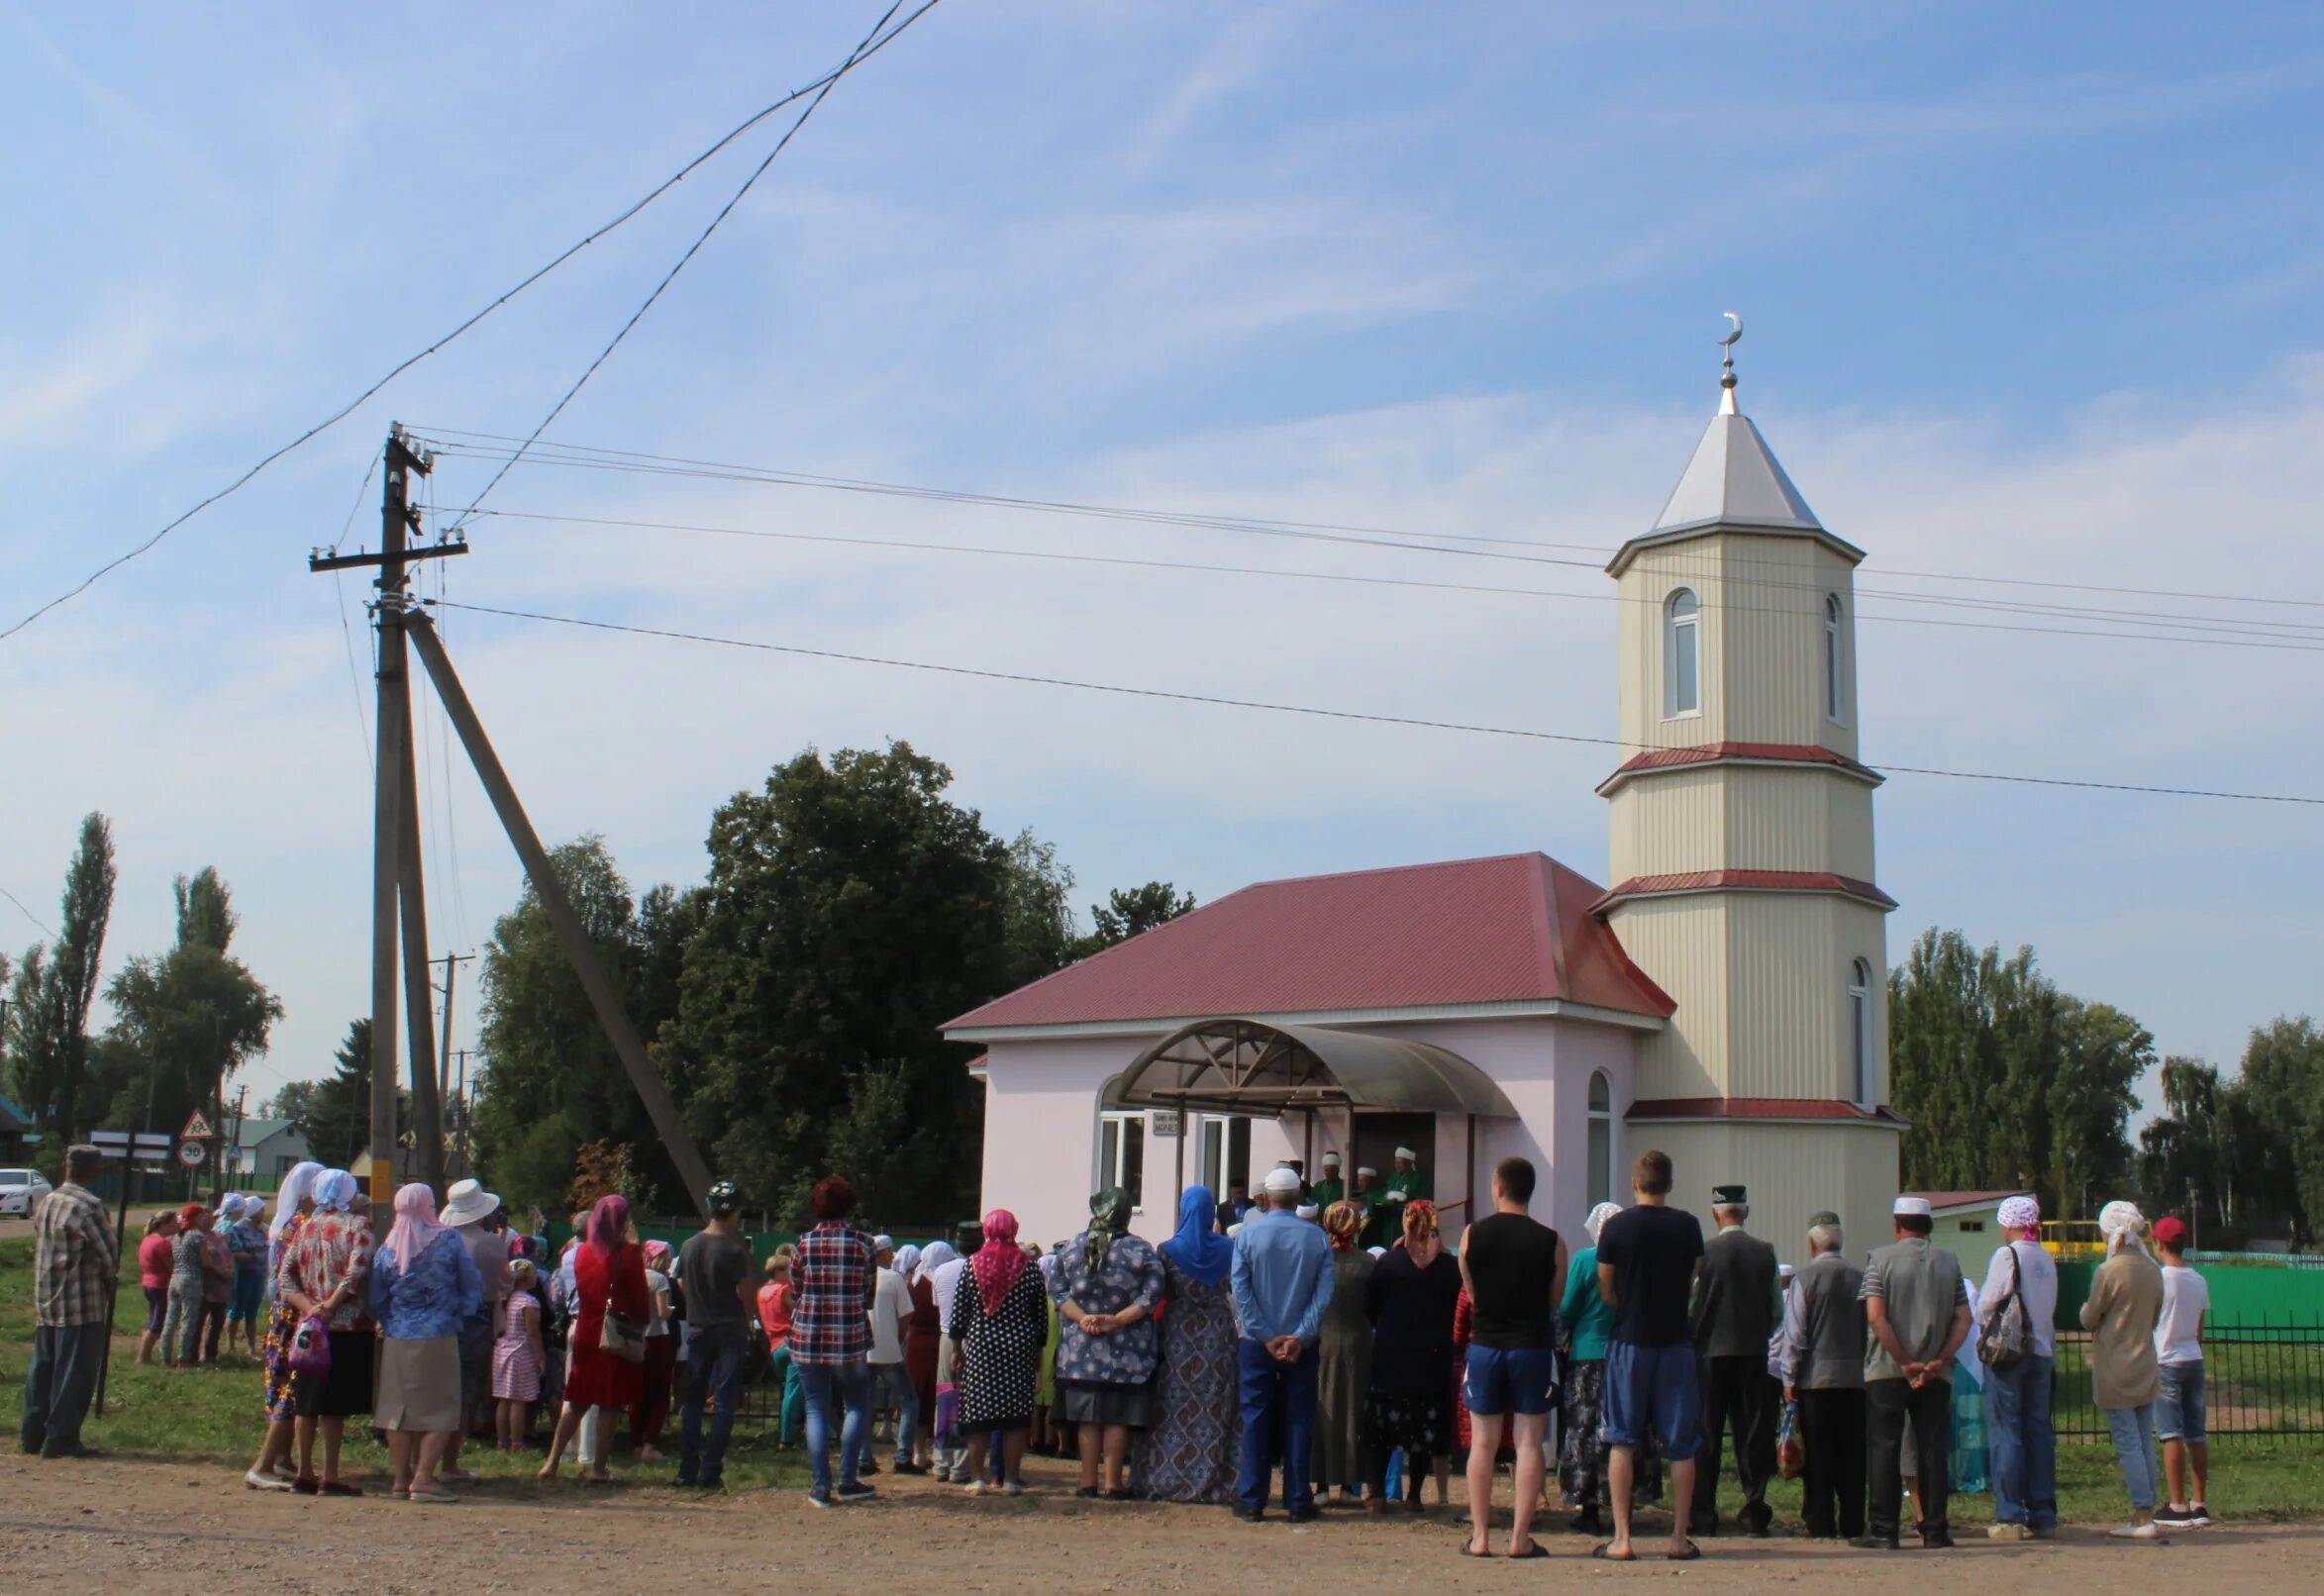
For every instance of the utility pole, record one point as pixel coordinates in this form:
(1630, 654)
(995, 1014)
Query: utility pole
(443, 1053)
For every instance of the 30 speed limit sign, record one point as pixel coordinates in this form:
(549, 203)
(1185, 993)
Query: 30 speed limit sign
(192, 1153)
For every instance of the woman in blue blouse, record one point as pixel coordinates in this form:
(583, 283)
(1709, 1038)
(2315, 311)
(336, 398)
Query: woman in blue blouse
(424, 1282)
(1584, 1320)
(1106, 1287)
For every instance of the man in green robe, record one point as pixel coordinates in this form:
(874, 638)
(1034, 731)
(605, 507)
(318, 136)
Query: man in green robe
(1331, 1188)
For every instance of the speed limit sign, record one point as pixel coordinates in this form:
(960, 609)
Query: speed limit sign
(192, 1155)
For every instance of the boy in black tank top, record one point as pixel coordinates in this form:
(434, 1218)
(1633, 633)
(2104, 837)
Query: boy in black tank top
(1513, 1269)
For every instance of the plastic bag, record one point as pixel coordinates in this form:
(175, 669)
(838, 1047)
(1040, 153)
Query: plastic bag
(1790, 1452)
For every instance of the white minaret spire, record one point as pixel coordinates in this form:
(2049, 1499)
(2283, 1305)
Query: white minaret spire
(1727, 364)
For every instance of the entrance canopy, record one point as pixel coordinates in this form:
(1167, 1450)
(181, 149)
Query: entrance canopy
(1250, 1067)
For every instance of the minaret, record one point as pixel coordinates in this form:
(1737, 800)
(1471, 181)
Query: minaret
(1742, 842)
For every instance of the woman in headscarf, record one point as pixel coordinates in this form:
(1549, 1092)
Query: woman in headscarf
(1343, 1363)
(325, 1273)
(424, 1282)
(998, 1313)
(923, 1335)
(292, 1204)
(247, 1238)
(181, 1329)
(1409, 1303)
(652, 1409)
(1583, 1320)
(940, 1267)
(609, 1277)
(2124, 1305)
(1106, 1287)
(1194, 1450)
(217, 1276)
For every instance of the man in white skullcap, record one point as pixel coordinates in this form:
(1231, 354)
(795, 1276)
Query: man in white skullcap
(2124, 1306)
(1282, 1281)
(2019, 1301)
(1331, 1188)
(1916, 1309)
(1367, 1198)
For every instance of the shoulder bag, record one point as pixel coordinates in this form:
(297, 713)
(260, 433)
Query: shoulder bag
(2008, 1339)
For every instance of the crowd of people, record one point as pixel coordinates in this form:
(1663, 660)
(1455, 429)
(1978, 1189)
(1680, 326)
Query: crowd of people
(1266, 1350)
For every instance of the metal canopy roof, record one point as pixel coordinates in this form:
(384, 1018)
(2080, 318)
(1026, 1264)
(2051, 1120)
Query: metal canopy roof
(1247, 1067)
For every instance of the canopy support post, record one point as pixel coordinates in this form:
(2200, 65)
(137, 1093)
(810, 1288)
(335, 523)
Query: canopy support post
(1471, 1168)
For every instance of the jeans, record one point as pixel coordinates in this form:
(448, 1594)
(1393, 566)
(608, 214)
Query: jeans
(2023, 1446)
(2180, 1410)
(1278, 1402)
(1887, 1404)
(57, 1386)
(182, 1326)
(714, 1368)
(2133, 1429)
(782, 1371)
(851, 1383)
(894, 1385)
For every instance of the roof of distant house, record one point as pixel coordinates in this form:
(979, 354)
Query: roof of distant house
(1515, 929)
(1947, 1201)
(254, 1131)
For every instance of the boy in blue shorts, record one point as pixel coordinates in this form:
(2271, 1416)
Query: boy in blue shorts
(1513, 1267)
(1647, 1261)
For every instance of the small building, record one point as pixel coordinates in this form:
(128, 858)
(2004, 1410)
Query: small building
(16, 1133)
(268, 1149)
(1967, 1224)
(1724, 1000)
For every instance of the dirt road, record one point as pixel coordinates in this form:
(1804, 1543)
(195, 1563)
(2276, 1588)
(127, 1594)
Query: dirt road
(117, 1526)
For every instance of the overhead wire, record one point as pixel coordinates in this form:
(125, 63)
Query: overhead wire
(347, 628)
(817, 86)
(1319, 711)
(28, 914)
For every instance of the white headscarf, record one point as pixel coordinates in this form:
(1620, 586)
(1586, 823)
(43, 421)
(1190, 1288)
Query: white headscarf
(297, 1187)
(2121, 1223)
(907, 1261)
(229, 1205)
(2019, 1214)
(937, 1255)
(335, 1189)
(1597, 1220)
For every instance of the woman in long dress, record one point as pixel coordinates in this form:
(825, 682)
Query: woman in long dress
(609, 1276)
(1410, 1303)
(1343, 1373)
(999, 1313)
(1195, 1449)
(271, 1471)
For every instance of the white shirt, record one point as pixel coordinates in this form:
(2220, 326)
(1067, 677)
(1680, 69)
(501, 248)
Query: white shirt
(2037, 1284)
(946, 1281)
(891, 1305)
(655, 1284)
(2178, 1333)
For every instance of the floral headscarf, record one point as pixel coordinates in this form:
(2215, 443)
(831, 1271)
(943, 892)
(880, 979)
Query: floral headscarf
(1342, 1222)
(999, 1261)
(1597, 1220)
(1109, 1217)
(1421, 1242)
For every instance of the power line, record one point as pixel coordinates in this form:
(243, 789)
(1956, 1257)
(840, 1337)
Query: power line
(862, 51)
(2266, 641)
(405, 364)
(1329, 714)
(28, 914)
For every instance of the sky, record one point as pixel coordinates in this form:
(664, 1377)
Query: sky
(2024, 302)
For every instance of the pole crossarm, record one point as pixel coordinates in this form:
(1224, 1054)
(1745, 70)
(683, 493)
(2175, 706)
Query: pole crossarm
(320, 561)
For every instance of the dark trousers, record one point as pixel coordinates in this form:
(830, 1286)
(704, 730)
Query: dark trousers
(1279, 1405)
(1737, 1394)
(1887, 1404)
(652, 1409)
(1831, 1432)
(714, 1371)
(58, 1385)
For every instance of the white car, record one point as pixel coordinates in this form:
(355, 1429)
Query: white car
(21, 1190)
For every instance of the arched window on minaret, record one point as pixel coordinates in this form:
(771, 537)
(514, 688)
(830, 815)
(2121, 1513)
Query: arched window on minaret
(1833, 706)
(1682, 655)
(1860, 1030)
(1601, 1139)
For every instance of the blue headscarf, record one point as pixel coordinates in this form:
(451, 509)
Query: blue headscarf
(1197, 1248)
(334, 1190)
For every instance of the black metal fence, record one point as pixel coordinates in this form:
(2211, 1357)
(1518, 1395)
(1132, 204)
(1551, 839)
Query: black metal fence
(2261, 1378)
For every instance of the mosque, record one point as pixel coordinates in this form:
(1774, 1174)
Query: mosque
(1724, 1000)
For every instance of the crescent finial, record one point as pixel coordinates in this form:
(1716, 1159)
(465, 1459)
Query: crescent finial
(1727, 364)
(1728, 342)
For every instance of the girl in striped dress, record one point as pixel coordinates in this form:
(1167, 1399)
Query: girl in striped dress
(517, 1356)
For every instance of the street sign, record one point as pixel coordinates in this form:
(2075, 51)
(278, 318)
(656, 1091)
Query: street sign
(196, 1128)
(144, 1145)
(191, 1153)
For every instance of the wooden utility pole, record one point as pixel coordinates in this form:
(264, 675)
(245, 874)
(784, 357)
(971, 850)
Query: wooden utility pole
(443, 1053)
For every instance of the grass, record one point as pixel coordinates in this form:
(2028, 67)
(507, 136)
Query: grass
(213, 1416)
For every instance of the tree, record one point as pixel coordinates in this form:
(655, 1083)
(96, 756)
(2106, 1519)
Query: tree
(852, 909)
(1130, 913)
(333, 1114)
(1041, 939)
(293, 1101)
(196, 1013)
(51, 1057)
(2280, 1135)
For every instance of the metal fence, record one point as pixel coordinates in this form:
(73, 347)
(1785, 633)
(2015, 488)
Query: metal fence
(2261, 1378)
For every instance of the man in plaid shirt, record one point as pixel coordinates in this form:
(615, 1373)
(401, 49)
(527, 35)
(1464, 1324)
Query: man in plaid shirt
(75, 1263)
(830, 1337)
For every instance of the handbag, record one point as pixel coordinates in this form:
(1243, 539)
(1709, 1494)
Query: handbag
(1791, 1454)
(310, 1348)
(623, 1337)
(2009, 1340)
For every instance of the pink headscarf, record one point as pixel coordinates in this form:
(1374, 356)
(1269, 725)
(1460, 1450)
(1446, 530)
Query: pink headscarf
(415, 1224)
(609, 1224)
(999, 1261)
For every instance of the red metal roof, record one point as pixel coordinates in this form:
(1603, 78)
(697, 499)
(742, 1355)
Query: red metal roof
(1647, 886)
(1758, 1108)
(1512, 929)
(1720, 752)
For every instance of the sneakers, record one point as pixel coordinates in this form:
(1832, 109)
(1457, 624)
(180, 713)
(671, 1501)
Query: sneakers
(910, 1467)
(2135, 1532)
(264, 1482)
(2009, 1531)
(858, 1492)
(818, 1499)
(2044, 1532)
(2182, 1518)
(2198, 1517)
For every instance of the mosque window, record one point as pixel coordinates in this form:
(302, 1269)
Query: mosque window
(1832, 706)
(1121, 1155)
(1601, 1139)
(1859, 1027)
(1683, 655)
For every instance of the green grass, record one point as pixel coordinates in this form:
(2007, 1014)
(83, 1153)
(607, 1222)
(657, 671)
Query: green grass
(215, 1415)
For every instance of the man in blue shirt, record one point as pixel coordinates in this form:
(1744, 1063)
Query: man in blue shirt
(1282, 1283)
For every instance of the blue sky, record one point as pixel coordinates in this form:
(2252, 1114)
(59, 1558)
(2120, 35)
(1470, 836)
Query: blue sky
(2027, 292)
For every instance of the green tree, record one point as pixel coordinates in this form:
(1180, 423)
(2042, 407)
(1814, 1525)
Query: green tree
(1040, 939)
(852, 909)
(50, 1057)
(2278, 1136)
(196, 1012)
(293, 1101)
(333, 1114)
(1131, 911)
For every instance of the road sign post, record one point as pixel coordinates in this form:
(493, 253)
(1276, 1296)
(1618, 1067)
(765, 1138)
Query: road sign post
(129, 1149)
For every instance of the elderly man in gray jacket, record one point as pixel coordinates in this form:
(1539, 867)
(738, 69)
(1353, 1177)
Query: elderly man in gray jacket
(1823, 1373)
